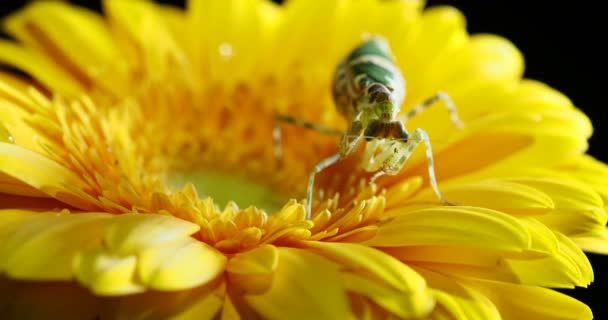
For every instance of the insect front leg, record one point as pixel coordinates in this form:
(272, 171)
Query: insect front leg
(416, 137)
(351, 139)
(277, 133)
(439, 96)
(311, 180)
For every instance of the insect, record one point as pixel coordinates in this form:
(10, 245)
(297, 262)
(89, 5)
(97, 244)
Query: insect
(368, 90)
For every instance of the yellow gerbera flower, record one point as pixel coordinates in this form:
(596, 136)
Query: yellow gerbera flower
(125, 126)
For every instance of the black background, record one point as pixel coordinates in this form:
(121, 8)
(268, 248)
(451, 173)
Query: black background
(561, 42)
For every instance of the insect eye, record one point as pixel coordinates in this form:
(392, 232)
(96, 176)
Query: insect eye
(372, 130)
(369, 134)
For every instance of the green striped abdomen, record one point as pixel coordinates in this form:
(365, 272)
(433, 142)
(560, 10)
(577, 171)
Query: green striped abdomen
(366, 67)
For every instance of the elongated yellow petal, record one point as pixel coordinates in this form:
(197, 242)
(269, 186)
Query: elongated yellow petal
(43, 248)
(566, 269)
(590, 171)
(40, 67)
(597, 244)
(431, 227)
(43, 174)
(303, 272)
(461, 302)
(528, 302)
(437, 33)
(385, 280)
(75, 38)
(578, 208)
(499, 195)
(178, 265)
(138, 22)
(253, 270)
(204, 308)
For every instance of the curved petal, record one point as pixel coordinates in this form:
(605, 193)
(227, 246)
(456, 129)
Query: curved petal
(107, 274)
(461, 302)
(437, 34)
(76, 39)
(578, 208)
(43, 246)
(303, 272)
(179, 265)
(589, 171)
(432, 227)
(501, 195)
(41, 173)
(40, 67)
(597, 244)
(380, 277)
(566, 269)
(253, 271)
(518, 301)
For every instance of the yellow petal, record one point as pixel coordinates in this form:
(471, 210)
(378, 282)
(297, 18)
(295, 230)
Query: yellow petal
(597, 244)
(75, 38)
(434, 226)
(12, 186)
(5, 136)
(578, 208)
(145, 39)
(590, 171)
(40, 67)
(498, 147)
(130, 233)
(567, 268)
(303, 272)
(253, 270)
(461, 302)
(525, 96)
(487, 58)
(43, 248)
(233, 54)
(515, 301)
(202, 302)
(41, 173)
(178, 265)
(499, 195)
(203, 309)
(106, 273)
(438, 33)
(382, 278)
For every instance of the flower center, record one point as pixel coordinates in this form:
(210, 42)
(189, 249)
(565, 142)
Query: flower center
(226, 187)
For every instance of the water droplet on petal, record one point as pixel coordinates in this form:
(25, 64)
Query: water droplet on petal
(225, 50)
(5, 135)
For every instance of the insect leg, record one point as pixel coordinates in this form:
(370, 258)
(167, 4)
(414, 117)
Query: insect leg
(416, 137)
(278, 136)
(311, 179)
(440, 95)
(351, 139)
